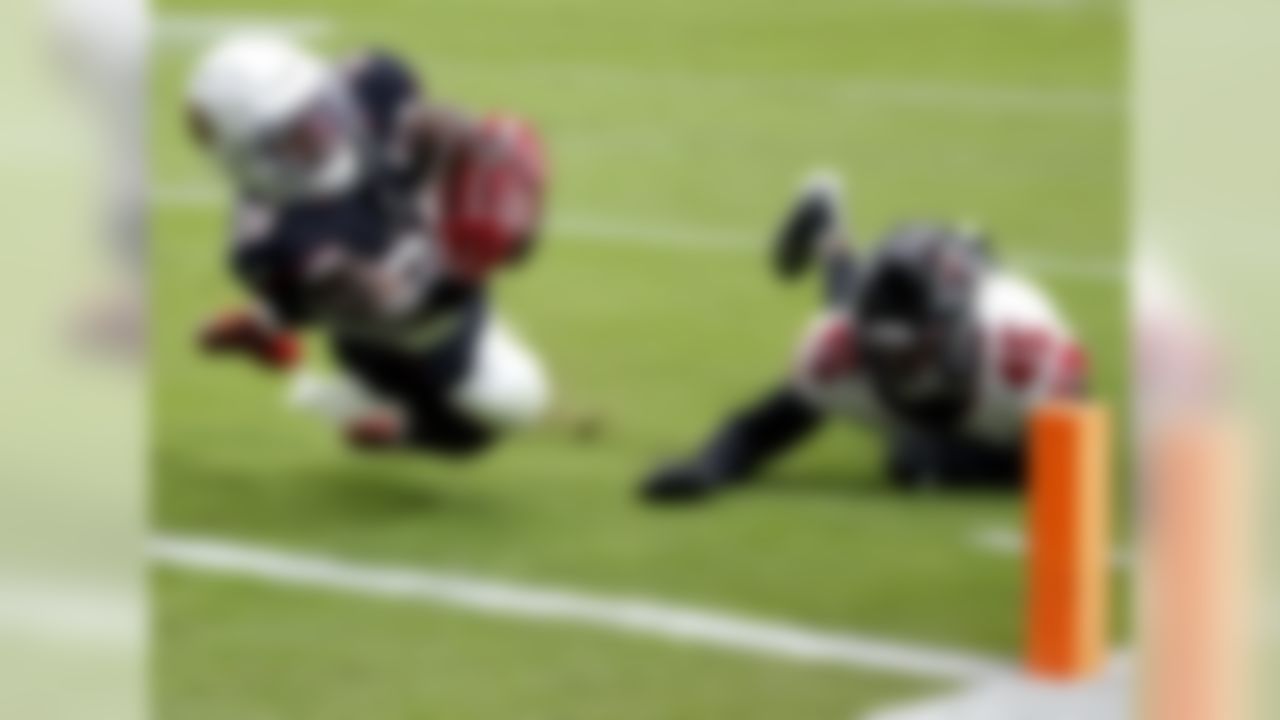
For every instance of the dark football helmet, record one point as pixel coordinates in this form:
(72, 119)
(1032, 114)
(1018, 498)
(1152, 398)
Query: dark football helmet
(915, 319)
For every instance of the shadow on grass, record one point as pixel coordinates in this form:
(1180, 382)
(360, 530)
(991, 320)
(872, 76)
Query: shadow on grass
(375, 490)
(863, 484)
(322, 492)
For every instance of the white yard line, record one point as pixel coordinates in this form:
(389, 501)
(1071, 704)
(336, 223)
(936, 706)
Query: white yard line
(592, 228)
(635, 616)
(196, 28)
(864, 93)
(1067, 6)
(640, 232)
(186, 28)
(1006, 541)
(982, 98)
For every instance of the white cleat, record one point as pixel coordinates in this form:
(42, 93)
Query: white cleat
(334, 398)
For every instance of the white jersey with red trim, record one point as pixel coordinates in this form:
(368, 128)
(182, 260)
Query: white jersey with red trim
(1028, 355)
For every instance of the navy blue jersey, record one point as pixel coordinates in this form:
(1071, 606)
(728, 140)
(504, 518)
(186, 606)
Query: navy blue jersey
(277, 247)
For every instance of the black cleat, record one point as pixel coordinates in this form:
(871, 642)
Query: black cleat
(681, 483)
(813, 217)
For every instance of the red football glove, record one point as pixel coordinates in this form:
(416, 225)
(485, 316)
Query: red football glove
(492, 198)
(246, 333)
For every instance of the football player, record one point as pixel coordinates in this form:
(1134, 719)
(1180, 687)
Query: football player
(928, 341)
(369, 209)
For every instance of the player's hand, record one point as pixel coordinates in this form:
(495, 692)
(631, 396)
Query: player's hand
(679, 483)
(243, 332)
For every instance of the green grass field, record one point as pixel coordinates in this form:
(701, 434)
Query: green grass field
(669, 122)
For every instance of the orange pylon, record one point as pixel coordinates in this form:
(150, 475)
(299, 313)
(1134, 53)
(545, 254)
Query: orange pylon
(1069, 532)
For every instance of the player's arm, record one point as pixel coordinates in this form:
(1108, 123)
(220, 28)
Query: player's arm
(330, 282)
(770, 427)
(487, 174)
(1037, 364)
(343, 286)
(423, 136)
(262, 259)
(747, 441)
(419, 135)
(435, 135)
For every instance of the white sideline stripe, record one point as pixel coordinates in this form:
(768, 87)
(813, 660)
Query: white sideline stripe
(1005, 541)
(636, 616)
(180, 28)
(71, 612)
(596, 228)
(1106, 697)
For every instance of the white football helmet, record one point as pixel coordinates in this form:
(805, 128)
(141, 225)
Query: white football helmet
(275, 117)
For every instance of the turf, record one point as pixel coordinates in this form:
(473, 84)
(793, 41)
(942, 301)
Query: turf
(407, 662)
(665, 119)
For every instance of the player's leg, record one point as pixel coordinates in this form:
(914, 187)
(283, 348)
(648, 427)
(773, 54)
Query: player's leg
(435, 426)
(373, 422)
(454, 399)
(427, 422)
(412, 409)
(917, 460)
(747, 441)
(502, 388)
(814, 231)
